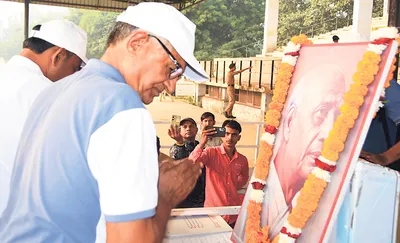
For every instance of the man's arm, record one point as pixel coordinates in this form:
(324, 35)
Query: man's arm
(244, 176)
(385, 158)
(177, 152)
(200, 154)
(241, 70)
(123, 160)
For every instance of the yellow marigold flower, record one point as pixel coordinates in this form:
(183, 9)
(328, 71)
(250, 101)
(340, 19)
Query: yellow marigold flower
(274, 114)
(329, 154)
(364, 78)
(334, 144)
(279, 97)
(285, 68)
(353, 100)
(275, 106)
(358, 88)
(272, 121)
(349, 111)
(345, 121)
(372, 56)
(305, 207)
(282, 87)
(366, 66)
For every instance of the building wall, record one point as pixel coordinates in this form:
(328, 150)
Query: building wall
(185, 88)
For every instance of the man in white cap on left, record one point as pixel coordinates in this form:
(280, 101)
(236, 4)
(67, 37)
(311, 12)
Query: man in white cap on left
(89, 146)
(55, 50)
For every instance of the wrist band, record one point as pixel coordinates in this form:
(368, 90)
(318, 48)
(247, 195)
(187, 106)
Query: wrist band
(180, 144)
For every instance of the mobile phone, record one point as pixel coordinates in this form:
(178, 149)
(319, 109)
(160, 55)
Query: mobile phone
(175, 120)
(221, 131)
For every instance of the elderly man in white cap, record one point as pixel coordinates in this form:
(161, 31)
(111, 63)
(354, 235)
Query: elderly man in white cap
(55, 50)
(89, 144)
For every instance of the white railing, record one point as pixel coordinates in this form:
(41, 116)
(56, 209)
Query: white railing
(257, 142)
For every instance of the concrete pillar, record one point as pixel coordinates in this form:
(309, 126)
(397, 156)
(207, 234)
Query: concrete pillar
(270, 26)
(385, 8)
(200, 91)
(26, 19)
(362, 17)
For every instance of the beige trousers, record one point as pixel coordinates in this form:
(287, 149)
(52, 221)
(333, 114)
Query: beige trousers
(231, 96)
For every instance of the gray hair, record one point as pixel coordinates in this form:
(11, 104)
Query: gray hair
(119, 32)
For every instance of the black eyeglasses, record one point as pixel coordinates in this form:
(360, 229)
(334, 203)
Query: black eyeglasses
(178, 71)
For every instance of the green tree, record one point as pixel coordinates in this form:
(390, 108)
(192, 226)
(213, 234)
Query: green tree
(228, 28)
(98, 25)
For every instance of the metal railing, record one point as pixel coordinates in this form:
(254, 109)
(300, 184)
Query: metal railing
(257, 141)
(262, 74)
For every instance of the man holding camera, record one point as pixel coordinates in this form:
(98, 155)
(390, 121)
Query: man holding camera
(185, 137)
(227, 169)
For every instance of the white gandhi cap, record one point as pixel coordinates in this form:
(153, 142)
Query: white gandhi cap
(64, 34)
(167, 22)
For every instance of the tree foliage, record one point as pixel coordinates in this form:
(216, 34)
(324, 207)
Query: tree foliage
(225, 28)
(97, 25)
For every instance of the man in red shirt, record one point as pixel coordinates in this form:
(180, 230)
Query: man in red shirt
(227, 169)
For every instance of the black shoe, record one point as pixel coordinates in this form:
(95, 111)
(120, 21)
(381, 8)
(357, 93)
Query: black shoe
(233, 117)
(226, 114)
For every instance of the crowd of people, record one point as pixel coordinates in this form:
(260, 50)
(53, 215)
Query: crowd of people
(78, 145)
(225, 172)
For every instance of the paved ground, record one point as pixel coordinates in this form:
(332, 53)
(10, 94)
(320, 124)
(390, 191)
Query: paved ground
(163, 111)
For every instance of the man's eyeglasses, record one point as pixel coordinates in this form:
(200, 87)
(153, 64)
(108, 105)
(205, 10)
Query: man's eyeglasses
(178, 71)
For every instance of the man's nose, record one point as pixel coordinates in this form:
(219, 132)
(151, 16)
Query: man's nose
(170, 85)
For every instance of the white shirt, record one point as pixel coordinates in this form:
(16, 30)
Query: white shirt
(21, 80)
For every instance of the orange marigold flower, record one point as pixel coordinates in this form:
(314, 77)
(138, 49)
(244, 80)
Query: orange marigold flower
(300, 39)
(279, 97)
(349, 111)
(364, 78)
(333, 143)
(272, 121)
(340, 131)
(358, 88)
(275, 106)
(263, 161)
(329, 154)
(285, 68)
(253, 221)
(282, 87)
(372, 56)
(367, 66)
(307, 202)
(345, 121)
(273, 114)
(353, 100)
(283, 79)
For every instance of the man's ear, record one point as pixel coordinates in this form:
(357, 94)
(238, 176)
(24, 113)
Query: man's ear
(58, 56)
(288, 122)
(136, 40)
(239, 137)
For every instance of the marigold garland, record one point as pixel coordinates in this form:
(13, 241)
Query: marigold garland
(314, 187)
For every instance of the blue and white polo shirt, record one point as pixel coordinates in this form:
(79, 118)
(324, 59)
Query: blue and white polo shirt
(88, 147)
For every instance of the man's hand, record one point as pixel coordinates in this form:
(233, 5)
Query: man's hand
(175, 133)
(380, 159)
(205, 135)
(177, 181)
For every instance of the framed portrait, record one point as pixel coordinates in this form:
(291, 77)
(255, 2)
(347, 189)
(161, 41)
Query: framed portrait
(322, 75)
